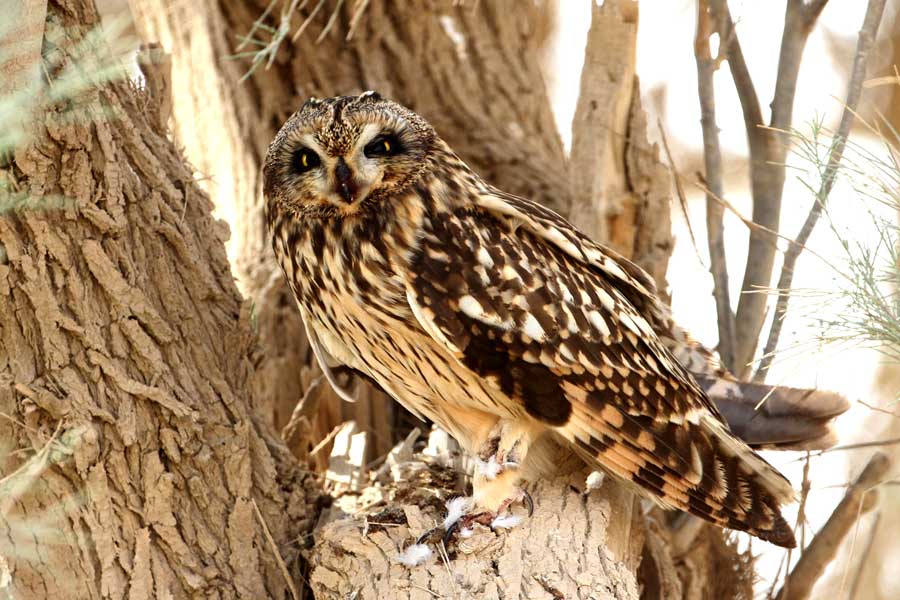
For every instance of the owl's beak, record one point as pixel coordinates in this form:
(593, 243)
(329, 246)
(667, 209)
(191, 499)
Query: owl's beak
(344, 182)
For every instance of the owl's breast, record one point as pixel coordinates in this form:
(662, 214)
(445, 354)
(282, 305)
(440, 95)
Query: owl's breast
(328, 262)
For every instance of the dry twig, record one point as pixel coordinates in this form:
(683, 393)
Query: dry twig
(864, 559)
(679, 188)
(712, 163)
(768, 151)
(854, 91)
(860, 498)
(274, 547)
(156, 66)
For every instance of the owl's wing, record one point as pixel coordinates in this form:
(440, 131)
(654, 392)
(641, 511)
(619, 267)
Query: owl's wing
(560, 325)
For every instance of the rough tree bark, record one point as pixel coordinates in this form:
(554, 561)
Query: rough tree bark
(133, 464)
(473, 70)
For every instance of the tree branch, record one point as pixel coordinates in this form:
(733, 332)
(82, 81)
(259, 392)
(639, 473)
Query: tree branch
(814, 9)
(860, 498)
(854, 91)
(768, 151)
(743, 83)
(712, 163)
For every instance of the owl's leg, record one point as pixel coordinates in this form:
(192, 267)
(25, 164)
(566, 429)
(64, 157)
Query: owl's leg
(501, 457)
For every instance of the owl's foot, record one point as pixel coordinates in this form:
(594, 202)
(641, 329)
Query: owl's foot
(459, 520)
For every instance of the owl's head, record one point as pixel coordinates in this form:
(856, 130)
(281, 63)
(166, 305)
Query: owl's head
(335, 153)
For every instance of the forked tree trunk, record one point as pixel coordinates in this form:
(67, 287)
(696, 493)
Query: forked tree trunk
(472, 69)
(133, 463)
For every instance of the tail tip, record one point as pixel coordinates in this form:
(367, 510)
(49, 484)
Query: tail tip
(780, 534)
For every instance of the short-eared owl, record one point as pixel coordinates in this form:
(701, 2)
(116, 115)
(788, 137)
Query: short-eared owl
(495, 318)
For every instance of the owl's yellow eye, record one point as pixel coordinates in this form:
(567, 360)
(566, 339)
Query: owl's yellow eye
(382, 145)
(305, 160)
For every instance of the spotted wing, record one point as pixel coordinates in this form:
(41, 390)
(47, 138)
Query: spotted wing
(557, 323)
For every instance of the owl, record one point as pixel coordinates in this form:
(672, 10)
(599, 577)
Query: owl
(496, 319)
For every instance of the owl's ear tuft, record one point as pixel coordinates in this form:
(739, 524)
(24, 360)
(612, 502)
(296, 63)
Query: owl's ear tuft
(370, 95)
(311, 102)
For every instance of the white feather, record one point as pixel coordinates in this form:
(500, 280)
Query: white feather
(471, 307)
(594, 480)
(723, 387)
(490, 468)
(610, 266)
(605, 299)
(324, 363)
(506, 521)
(599, 322)
(628, 322)
(484, 257)
(457, 508)
(415, 555)
(532, 328)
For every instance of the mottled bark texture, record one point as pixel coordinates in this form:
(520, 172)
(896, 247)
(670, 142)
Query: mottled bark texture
(132, 463)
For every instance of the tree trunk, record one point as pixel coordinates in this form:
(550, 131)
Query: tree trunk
(473, 70)
(133, 463)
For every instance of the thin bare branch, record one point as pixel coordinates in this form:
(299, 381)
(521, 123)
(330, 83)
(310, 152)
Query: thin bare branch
(879, 409)
(864, 559)
(679, 188)
(861, 445)
(331, 20)
(275, 552)
(801, 519)
(768, 151)
(308, 20)
(804, 495)
(358, 10)
(712, 163)
(814, 9)
(700, 183)
(860, 498)
(854, 91)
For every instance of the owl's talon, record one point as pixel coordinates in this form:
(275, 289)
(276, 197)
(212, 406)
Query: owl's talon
(528, 501)
(448, 534)
(430, 535)
(521, 495)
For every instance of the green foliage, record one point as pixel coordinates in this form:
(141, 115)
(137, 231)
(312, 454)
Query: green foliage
(864, 310)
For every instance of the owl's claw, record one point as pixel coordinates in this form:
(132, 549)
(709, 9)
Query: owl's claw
(429, 535)
(455, 523)
(528, 501)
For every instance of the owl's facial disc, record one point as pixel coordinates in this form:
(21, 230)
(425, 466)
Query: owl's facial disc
(346, 176)
(345, 153)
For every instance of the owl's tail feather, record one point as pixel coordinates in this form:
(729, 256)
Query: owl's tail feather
(764, 416)
(697, 467)
(777, 417)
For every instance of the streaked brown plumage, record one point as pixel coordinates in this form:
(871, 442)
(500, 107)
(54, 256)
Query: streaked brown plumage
(495, 318)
